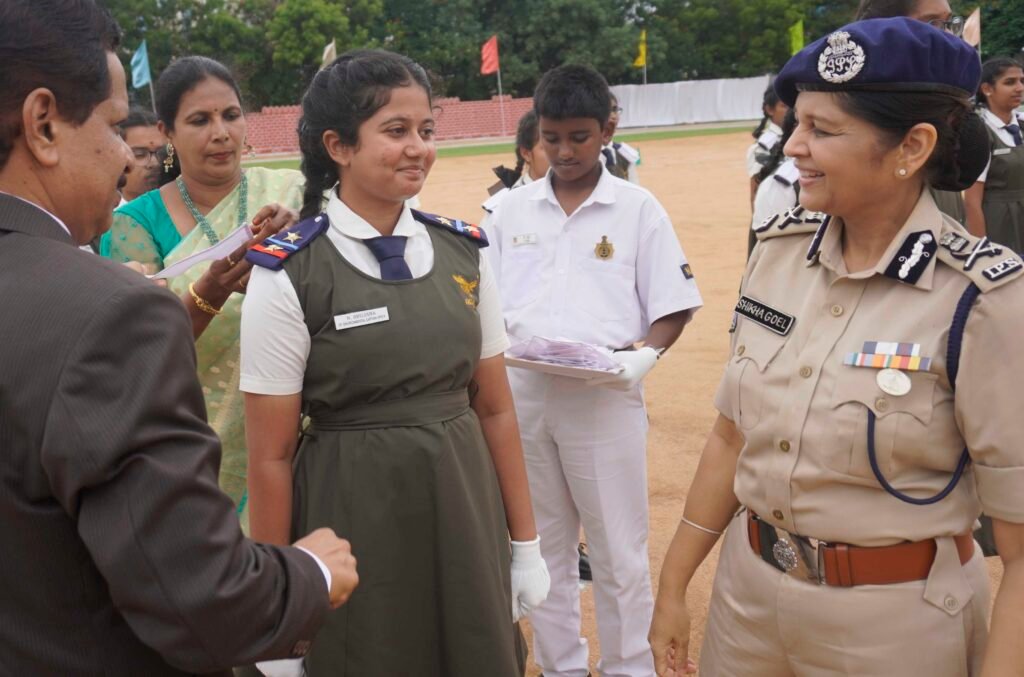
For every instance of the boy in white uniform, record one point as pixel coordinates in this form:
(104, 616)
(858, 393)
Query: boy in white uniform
(586, 256)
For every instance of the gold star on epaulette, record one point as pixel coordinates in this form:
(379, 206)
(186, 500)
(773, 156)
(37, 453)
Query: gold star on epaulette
(293, 237)
(443, 220)
(274, 248)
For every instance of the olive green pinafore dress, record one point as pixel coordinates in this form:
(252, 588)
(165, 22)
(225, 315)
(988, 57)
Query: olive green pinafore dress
(1003, 202)
(394, 460)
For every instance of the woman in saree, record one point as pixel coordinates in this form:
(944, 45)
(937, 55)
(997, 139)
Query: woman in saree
(199, 107)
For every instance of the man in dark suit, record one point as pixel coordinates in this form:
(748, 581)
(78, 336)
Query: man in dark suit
(120, 554)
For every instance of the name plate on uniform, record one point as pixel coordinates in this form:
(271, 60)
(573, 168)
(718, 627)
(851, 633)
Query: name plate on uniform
(525, 238)
(1002, 151)
(361, 318)
(764, 315)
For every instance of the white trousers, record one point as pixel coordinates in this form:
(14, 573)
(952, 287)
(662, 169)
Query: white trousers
(585, 450)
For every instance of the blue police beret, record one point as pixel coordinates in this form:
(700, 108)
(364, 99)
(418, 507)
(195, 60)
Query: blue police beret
(887, 55)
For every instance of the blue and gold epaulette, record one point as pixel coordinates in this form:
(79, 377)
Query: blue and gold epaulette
(275, 250)
(468, 230)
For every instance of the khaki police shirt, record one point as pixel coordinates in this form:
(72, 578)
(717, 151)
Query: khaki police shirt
(804, 413)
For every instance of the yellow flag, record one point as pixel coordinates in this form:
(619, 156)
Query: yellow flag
(641, 55)
(796, 37)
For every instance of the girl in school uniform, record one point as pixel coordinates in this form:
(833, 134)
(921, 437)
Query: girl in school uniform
(531, 165)
(766, 137)
(995, 204)
(778, 187)
(383, 326)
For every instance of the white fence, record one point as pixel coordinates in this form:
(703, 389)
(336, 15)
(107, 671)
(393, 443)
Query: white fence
(690, 101)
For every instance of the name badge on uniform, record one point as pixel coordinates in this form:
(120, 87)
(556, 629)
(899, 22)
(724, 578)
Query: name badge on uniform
(361, 318)
(525, 238)
(764, 315)
(1002, 151)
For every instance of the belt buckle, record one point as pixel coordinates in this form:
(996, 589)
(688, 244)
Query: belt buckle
(800, 556)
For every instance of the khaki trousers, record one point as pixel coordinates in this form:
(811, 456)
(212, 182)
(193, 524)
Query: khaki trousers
(763, 623)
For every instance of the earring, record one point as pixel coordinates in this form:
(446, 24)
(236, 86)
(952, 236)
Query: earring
(249, 150)
(902, 171)
(169, 160)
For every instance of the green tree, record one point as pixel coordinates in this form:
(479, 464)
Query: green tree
(1002, 28)
(298, 33)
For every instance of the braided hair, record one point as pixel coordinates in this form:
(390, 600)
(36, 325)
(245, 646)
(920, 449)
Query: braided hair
(770, 101)
(343, 96)
(777, 155)
(527, 134)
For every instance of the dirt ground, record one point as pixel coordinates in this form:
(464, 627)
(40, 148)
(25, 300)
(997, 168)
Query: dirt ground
(701, 182)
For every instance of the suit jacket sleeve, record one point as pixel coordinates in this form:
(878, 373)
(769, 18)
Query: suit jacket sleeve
(129, 455)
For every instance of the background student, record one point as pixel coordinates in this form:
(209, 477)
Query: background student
(144, 137)
(995, 204)
(588, 256)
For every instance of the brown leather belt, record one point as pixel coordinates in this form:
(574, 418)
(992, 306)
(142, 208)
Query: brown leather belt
(846, 565)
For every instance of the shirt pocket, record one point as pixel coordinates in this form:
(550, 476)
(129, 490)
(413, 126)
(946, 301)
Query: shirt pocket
(901, 423)
(521, 273)
(605, 290)
(749, 365)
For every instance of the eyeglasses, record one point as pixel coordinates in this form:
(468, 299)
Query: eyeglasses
(954, 25)
(144, 154)
(617, 109)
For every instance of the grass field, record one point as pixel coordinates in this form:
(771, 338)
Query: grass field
(507, 147)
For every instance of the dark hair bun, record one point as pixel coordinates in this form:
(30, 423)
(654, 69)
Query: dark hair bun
(972, 155)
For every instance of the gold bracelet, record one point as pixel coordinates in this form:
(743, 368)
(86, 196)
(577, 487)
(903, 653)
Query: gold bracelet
(201, 303)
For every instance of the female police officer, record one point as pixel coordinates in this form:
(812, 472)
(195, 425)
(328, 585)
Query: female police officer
(844, 429)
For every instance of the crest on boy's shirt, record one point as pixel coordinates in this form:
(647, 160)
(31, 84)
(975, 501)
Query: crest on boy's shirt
(687, 272)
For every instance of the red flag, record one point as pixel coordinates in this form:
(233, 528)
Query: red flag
(489, 56)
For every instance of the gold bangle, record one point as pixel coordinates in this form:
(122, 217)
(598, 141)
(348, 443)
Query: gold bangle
(201, 303)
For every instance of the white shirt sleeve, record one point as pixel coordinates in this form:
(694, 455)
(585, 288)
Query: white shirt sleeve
(664, 281)
(492, 323)
(984, 174)
(753, 166)
(773, 197)
(274, 337)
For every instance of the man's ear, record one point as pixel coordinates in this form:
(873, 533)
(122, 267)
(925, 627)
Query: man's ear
(42, 125)
(607, 132)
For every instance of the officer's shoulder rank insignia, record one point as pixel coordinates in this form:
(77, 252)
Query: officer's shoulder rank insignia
(276, 249)
(467, 230)
(987, 264)
(796, 221)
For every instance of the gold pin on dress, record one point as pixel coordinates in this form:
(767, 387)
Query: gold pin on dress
(604, 249)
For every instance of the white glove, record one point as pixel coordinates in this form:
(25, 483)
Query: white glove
(287, 667)
(636, 364)
(530, 578)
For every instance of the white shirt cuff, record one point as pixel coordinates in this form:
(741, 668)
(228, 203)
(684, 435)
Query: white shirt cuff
(323, 568)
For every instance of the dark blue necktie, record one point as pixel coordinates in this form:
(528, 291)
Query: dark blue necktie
(390, 252)
(609, 158)
(1015, 133)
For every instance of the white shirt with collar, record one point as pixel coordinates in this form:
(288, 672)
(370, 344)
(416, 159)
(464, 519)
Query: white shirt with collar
(771, 135)
(275, 341)
(554, 284)
(999, 127)
(777, 193)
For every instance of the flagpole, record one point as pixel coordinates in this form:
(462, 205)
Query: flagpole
(501, 103)
(152, 94)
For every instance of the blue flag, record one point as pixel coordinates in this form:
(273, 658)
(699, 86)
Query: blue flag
(140, 67)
